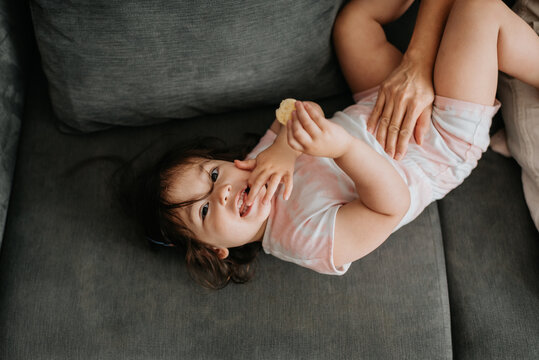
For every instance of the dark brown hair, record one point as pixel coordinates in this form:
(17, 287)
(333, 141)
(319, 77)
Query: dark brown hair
(160, 221)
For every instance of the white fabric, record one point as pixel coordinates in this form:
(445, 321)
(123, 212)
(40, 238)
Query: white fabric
(520, 112)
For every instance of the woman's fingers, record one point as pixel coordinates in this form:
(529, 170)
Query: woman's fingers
(376, 112)
(405, 133)
(394, 129)
(384, 122)
(416, 122)
(423, 124)
(400, 119)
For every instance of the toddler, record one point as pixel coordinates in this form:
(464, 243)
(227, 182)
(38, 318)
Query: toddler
(323, 193)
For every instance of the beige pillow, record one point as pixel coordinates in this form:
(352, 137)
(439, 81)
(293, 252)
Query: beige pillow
(520, 110)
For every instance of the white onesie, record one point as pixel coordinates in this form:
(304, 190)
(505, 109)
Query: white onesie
(301, 229)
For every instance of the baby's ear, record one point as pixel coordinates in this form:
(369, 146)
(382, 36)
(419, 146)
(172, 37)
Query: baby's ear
(221, 252)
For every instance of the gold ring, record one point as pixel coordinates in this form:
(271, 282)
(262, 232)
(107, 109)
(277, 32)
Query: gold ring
(394, 128)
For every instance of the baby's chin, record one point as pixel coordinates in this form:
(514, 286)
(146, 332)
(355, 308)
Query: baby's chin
(260, 234)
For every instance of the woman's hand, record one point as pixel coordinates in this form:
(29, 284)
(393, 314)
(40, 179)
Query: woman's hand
(272, 166)
(311, 133)
(403, 107)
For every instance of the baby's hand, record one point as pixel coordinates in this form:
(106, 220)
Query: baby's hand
(311, 133)
(272, 166)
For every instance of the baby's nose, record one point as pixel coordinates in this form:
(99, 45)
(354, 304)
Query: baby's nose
(225, 193)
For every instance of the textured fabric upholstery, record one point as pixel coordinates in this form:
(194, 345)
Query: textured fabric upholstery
(141, 62)
(14, 48)
(492, 251)
(521, 118)
(79, 282)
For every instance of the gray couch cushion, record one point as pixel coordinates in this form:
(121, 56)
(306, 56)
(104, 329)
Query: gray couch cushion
(14, 49)
(492, 254)
(79, 282)
(140, 62)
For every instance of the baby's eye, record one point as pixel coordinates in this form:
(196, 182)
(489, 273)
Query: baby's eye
(204, 210)
(214, 174)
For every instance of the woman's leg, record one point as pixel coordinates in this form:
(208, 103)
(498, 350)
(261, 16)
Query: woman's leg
(365, 55)
(480, 38)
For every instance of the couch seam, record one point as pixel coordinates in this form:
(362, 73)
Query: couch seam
(445, 304)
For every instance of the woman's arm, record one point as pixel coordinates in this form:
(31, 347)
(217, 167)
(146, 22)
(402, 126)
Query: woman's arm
(363, 224)
(404, 104)
(367, 59)
(427, 34)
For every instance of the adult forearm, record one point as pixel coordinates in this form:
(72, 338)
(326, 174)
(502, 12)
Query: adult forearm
(428, 30)
(378, 184)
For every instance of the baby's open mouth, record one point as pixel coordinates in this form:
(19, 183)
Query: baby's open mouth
(243, 208)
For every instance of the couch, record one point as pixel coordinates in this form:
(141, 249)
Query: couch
(78, 279)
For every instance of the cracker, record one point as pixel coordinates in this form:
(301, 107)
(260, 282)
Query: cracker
(284, 112)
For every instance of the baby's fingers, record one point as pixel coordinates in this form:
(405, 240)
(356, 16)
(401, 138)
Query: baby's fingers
(288, 185)
(292, 142)
(255, 187)
(272, 187)
(308, 119)
(245, 164)
(298, 132)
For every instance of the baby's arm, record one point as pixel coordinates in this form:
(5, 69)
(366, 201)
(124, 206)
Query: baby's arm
(276, 127)
(363, 224)
(273, 165)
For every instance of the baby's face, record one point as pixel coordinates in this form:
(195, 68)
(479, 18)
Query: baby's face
(219, 220)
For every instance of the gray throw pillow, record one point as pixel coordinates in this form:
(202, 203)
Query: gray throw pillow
(141, 62)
